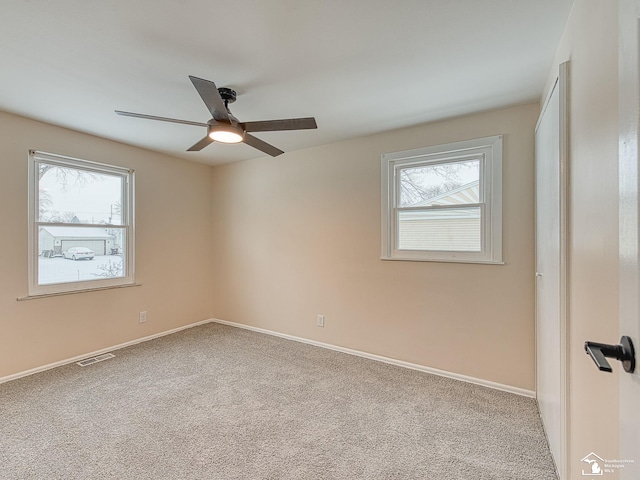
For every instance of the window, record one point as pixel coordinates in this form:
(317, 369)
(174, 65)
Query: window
(80, 225)
(444, 203)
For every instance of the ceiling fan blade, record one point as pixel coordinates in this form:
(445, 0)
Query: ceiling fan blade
(201, 144)
(211, 98)
(262, 146)
(161, 119)
(276, 125)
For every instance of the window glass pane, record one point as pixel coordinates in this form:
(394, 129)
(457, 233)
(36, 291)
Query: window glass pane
(447, 229)
(450, 183)
(70, 195)
(75, 254)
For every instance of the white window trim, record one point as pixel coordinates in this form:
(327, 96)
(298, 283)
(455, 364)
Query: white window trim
(489, 150)
(127, 210)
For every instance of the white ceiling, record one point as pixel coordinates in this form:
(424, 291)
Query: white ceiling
(358, 66)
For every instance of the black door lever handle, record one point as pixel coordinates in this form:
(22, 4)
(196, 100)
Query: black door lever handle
(623, 352)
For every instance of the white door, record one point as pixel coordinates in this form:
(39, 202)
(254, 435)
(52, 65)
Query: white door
(550, 268)
(629, 171)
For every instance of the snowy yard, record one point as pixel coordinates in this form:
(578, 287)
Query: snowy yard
(61, 270)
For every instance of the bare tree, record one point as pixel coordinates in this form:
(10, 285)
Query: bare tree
(415, 189)
(45, 202)
(64, 177)
(110, 269)
(43, 168)
(61, 217)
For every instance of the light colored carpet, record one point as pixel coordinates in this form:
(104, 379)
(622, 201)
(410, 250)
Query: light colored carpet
(217, 402)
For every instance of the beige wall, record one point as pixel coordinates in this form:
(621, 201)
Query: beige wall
(590, 43)
(173, 240)
(299, 235)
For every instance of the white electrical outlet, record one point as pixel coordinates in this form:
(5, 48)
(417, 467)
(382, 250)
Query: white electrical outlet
(320, 320)
(143, 317)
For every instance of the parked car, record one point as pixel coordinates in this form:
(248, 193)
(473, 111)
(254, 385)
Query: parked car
(76, 253)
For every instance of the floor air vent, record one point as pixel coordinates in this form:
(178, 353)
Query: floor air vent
(90, 361)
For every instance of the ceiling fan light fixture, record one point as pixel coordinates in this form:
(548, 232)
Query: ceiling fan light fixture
(226, 133)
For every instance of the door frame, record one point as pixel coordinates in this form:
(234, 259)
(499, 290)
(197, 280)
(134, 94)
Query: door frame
(629, 221)
(562, 83)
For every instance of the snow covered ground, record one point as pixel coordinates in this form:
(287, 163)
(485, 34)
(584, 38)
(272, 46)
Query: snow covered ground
(61, 270)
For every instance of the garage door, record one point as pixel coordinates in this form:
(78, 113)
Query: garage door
(98, 246)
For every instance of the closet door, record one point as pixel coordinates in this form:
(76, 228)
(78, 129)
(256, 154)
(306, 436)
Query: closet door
(551, 269)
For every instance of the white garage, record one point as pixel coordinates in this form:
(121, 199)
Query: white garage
(54, 240)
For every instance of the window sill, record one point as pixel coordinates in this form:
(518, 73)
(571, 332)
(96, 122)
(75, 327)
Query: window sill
(442, 260)
(71, 292)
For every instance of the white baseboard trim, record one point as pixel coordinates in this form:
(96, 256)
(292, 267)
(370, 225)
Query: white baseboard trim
(392, 361)
(67, 361)
(349, 351)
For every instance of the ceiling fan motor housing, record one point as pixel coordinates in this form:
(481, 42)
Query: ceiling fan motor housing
(227, 94)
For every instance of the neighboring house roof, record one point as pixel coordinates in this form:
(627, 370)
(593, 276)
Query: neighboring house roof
(77, 232)
(467, 193)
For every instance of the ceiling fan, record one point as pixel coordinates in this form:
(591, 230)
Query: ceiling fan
(226, 128)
